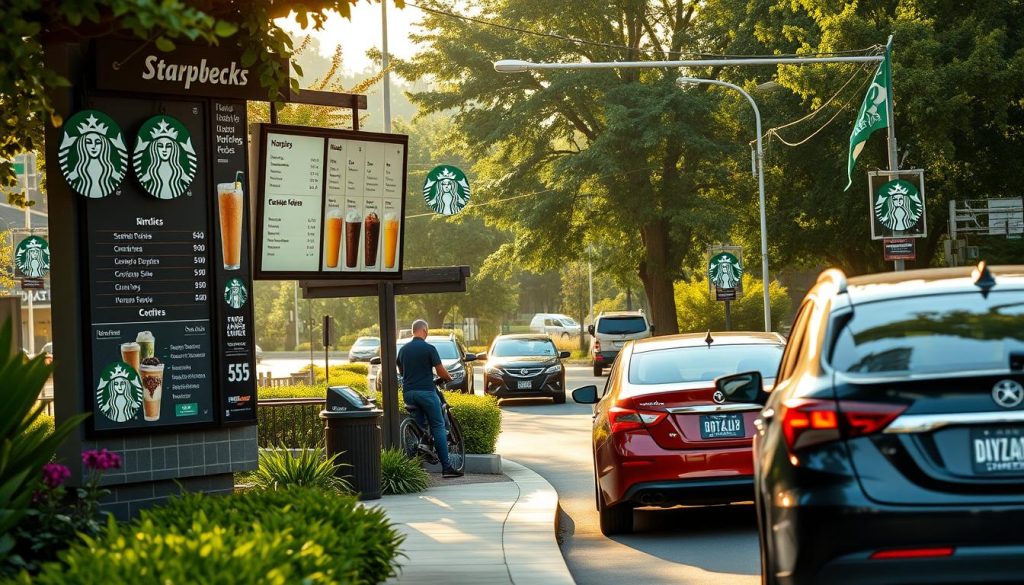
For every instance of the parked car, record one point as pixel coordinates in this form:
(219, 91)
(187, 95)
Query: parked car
(454, 358)
(525, 366)
(611, 331)
(556, 325)
(891, 445)
(364, 349)
(662, 436)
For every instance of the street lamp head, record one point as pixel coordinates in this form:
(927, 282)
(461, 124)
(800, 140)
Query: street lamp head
(512, 66)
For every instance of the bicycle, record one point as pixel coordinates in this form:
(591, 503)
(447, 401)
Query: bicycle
(418, 441)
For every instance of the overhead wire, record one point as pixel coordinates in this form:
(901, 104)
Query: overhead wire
(773, 132)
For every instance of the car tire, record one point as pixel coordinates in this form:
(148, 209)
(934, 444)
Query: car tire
(559, 398)
(767, 567)
(616, 519)
(597, 370)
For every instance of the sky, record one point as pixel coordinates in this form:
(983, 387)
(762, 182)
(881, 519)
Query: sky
(364, 32)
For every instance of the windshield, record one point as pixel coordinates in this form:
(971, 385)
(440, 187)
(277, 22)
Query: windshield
(680, 365)
(936, 334)
(569, 323)
(621, 325)
(523, 347)
(367, 342)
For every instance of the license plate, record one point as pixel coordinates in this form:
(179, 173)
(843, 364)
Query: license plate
(524, 385)
(998, 451)
(721, 426)
(618, 344)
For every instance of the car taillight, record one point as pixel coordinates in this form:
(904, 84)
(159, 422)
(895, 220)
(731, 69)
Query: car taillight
(597, 345)
(807, 422)
(626, 419)
(913, 553)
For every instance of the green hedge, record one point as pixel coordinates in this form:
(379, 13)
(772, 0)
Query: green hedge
(340, 372)
(295, 535)
(45, 421)
(300, 426)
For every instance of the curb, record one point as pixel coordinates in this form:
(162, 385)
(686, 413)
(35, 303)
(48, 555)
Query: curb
(528, 535)
(485, 464)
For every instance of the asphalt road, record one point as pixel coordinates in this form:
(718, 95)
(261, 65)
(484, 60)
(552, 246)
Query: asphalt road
(681, 546)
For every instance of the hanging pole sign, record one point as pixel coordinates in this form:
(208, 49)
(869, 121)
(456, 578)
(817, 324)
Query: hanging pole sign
(725, 272)
(896, 204)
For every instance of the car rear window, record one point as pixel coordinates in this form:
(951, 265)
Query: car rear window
(446, 350)
(621, 325)
(935, 334)
(680, 365)
(367, 343)
(524, 347)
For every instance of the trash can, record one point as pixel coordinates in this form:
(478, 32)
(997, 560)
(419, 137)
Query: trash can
(352, 425)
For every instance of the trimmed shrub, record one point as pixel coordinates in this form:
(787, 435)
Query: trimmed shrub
(401, 474)
(294, 535)
(279, 469)
(478, 416)
(343, 375)
(44, 422)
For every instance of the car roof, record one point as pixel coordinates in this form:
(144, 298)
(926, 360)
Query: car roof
(915, 283)
(620, 314)
(531, 336)
(430, 338)
(721, 338)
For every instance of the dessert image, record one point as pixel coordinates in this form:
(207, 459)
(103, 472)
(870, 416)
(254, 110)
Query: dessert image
(152, 372)
(147, 344)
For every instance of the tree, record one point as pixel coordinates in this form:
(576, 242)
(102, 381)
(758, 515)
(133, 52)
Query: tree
(26, 83)
(617, 157)
(697, 311)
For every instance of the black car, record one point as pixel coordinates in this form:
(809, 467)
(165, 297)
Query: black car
(525, 366)
(454, 358)
(891, 447)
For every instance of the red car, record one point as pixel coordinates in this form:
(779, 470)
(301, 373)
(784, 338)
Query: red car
(663, 436)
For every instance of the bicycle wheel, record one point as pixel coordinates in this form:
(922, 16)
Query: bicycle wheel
(409, 435)
(456, 445)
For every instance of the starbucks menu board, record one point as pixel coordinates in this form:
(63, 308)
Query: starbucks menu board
(331, 203)
(168, 318)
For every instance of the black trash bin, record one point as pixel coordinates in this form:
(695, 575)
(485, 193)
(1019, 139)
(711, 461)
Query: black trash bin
(352, 426)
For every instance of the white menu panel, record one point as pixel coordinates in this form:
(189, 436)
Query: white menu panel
(293, 203)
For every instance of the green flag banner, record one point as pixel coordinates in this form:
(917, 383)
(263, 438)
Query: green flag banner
(872, 116)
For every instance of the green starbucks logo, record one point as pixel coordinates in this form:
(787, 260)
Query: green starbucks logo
(446, 190)
(92, 155)
(164, 159)
(119, 393)
(32, 257)
(725, 270)
(898, 205)
(235, 294)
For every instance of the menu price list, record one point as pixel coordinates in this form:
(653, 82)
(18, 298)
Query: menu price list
(293, 203)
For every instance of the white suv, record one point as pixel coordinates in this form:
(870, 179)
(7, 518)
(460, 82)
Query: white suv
(611, 331)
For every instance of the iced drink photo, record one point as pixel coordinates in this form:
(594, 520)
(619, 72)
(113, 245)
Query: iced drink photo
(147, 344)
(390, 239)
(353, 223)
(372, 239)
(130, 354)
(230, 201)
(152, 383)
(332, 238)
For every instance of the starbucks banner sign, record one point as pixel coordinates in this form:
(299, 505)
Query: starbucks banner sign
(725, 272)
(32, 257)
(896, 204)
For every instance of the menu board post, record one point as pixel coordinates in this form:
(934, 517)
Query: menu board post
(330, 204)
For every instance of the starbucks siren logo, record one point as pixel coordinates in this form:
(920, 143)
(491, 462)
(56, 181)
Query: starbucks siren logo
(725, 270)
(119, 393)
(165, 161)
(32, 257)
(898, 205)
(446, 190)
(235, 294)
(92, 155)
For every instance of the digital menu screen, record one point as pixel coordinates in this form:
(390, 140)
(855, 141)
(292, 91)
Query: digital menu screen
(169, 317)
(330, 204)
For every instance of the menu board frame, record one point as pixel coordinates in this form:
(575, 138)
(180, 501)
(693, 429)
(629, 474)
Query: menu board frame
(216, 359)
(326, 135)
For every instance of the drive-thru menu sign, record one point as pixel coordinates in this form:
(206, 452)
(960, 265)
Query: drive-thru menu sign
(331, 203)
(168, 314)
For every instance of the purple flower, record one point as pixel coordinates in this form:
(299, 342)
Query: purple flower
(101, 460)
(54, 475)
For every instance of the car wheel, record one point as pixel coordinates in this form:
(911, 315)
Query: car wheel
(597, 370)
(565, 335)
(616, 519)
(767, 567)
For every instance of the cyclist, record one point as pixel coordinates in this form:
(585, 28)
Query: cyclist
(417, 363)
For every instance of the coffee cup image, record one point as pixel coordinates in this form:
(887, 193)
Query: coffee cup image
(353, 225)
(152, 384)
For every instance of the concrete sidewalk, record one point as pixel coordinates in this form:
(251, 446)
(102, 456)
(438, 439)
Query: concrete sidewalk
(481, 533)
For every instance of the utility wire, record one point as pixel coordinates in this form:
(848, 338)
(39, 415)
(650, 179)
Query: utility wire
(774, 131)
(579, 41)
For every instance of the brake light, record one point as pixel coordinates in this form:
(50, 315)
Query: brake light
(807, 422)
(626, 419)
(913, 553)
(597, 345)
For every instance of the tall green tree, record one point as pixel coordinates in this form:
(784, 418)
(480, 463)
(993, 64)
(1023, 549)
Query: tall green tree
(569, 158)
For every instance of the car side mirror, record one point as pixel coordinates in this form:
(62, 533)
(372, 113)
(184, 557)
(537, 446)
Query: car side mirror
(375, 361)
(585, 395)
(746, 388)
(590, 330)
(469, 357)
(564, 355)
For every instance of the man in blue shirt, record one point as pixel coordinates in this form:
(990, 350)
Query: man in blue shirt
(417, 363)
